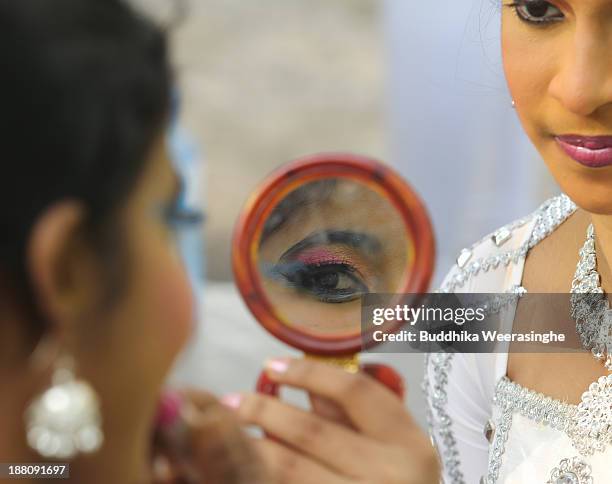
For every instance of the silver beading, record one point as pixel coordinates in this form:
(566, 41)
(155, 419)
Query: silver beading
(590, 306)
(571, 471)
(591, 430)
(437, 396)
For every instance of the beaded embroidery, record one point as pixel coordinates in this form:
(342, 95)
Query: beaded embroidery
(513, 398)
(440, 364)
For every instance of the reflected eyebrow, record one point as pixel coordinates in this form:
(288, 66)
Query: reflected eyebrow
(357, 240)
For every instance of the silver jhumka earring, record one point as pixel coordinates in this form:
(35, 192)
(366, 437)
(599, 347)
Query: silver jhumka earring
(65, 419)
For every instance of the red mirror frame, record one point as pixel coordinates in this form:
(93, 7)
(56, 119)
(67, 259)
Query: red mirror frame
(286, 179)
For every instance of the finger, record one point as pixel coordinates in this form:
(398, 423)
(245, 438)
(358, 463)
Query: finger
(199, 399)
(336, 446)
(287, 466)
(163, 472)
(221, 449)
(209, 441)
(168, 471)
(372, 408)
(328, 410)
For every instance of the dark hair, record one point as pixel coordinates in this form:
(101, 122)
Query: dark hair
(84, 93)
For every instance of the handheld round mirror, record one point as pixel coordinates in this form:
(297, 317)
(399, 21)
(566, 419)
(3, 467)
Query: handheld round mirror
(317, 236)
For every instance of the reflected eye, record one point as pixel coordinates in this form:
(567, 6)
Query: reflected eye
(537, 11)
(329, 283)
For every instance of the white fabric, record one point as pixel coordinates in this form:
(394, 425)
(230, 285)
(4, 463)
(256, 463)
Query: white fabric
(532, 450)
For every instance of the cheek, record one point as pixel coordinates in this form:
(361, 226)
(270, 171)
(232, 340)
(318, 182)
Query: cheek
(531, 63)
(162, 305)
(171, 301)
(527, 59)
(528, 67)
(147, 329)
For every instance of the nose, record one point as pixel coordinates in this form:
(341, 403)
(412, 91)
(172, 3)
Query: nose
(583, 82)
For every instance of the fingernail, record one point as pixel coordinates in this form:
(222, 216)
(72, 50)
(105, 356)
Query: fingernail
(232, 400)
(277, 365)
(169, 409)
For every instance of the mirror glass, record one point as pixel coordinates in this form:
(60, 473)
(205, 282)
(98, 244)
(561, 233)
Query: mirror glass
(326, 244)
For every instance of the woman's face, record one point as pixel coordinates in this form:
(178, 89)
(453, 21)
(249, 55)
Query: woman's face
(127, 353)
(559, 70)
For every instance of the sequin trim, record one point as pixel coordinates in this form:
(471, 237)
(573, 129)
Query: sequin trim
(548, 217)
(533, 405)
(437, 398)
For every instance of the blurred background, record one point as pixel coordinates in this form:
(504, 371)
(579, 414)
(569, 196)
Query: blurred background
(264, 82)
(418, 85)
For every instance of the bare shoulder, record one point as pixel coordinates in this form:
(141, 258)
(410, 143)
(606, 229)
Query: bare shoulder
(550, 265)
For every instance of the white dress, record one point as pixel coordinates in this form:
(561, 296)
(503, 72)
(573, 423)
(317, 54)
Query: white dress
(468, 394)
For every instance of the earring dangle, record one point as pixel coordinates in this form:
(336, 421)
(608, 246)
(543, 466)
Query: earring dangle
(513, 104)
(65, 419)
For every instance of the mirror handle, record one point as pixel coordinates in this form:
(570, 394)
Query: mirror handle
(266, 386)
(387, 376)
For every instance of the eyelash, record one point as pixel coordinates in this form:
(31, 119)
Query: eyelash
(304, 276)
(515, 6)
(177, 216)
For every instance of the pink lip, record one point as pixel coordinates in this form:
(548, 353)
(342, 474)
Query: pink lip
(590, 151)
